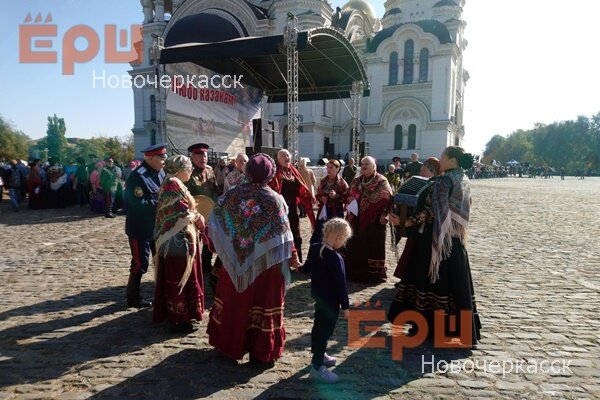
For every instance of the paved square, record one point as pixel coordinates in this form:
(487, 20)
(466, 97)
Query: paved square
(66, 333)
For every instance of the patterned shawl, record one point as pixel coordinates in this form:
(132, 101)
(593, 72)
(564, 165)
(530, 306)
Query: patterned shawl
(373, 196)
(175, 213)
(340, 187)
(250, 230)
(304, 198)
(451, 202)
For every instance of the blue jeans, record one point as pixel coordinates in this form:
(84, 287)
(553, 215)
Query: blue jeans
(110, 201)
(14, 197)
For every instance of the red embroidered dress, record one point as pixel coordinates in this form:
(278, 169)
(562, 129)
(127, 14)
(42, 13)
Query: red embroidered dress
(179, 293)
(251, 233)
(365, 252)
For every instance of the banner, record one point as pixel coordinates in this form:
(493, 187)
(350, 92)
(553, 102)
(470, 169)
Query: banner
(203, 106)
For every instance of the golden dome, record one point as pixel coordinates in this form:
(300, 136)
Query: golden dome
(360, 5)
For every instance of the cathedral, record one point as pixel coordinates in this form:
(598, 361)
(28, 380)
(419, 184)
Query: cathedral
(412, 56)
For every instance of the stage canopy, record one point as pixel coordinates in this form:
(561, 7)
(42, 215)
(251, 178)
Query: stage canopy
(328, 63)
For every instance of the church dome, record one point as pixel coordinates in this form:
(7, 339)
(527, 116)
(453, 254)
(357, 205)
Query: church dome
(360, 5)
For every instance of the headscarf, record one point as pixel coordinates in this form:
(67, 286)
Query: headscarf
(249, 227)
(260, 169)
(174, 164)
(433, 165)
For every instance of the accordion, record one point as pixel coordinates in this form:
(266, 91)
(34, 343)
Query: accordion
(410, 199)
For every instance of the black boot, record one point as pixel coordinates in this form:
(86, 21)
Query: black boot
(298, 245)
(133, 292)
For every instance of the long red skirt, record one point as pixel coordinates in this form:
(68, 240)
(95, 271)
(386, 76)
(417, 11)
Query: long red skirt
(169, 304)
(251, 321)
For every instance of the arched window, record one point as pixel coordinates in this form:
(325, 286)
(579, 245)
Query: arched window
(412, 136)
(393, 69)
(153, 137)
(152, 108)
(423, 65)
(398, 137)
(409, 49)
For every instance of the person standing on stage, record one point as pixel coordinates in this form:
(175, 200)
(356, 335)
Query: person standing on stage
(202, 182)
(289, 183)
(141, 192)
(349, 171)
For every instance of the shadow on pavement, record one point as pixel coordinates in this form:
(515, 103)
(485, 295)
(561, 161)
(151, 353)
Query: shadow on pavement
(189, 374)
(40, 351)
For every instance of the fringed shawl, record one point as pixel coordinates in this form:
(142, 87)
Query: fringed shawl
(341, 193)
(250, 230)
(451, 203)
(175, 212)
(304, 198)
(373, 196)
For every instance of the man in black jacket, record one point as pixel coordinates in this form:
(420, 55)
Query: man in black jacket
(413, 167)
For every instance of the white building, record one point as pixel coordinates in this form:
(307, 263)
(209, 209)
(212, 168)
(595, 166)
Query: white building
(413, 56)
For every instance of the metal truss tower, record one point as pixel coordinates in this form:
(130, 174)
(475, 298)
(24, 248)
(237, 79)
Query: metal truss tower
(158, 45)
(291, 44)
(356, 94)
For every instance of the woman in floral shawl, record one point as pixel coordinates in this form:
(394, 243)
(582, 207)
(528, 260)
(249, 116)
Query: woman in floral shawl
(251, 233)
(179, 294)
(370, 195)
(444, 281)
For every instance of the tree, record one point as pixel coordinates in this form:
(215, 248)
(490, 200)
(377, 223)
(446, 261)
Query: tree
(13, 144)
(57, 142)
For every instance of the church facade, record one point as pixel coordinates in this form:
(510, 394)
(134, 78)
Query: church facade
(412, 54)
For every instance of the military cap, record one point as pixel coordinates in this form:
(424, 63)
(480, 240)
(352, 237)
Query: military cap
(198, 148)
(156, 150)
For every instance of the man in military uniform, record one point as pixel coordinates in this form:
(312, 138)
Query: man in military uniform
(202, 182)
(141, 192)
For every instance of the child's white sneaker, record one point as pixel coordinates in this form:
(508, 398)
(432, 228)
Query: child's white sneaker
(322, 375)
(329, 361)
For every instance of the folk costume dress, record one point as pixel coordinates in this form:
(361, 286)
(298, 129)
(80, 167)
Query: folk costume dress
(179, 294)
(334, 206)
(365, 251)
(289, 183)
(249, 229)
(435, 272)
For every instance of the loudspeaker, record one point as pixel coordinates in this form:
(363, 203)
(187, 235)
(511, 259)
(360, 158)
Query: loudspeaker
(266, 133)
(257, 134)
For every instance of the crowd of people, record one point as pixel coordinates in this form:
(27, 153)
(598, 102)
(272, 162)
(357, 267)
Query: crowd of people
(253, 234)
(51, 184)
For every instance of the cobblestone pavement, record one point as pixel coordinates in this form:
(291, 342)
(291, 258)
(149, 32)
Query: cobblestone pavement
(66, 333)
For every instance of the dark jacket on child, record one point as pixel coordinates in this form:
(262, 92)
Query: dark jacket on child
(328, 276)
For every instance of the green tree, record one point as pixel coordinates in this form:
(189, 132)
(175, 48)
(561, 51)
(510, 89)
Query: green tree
(13, 144)
(57, 142)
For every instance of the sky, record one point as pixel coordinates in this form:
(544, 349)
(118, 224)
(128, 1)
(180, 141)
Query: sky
(529, 61)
